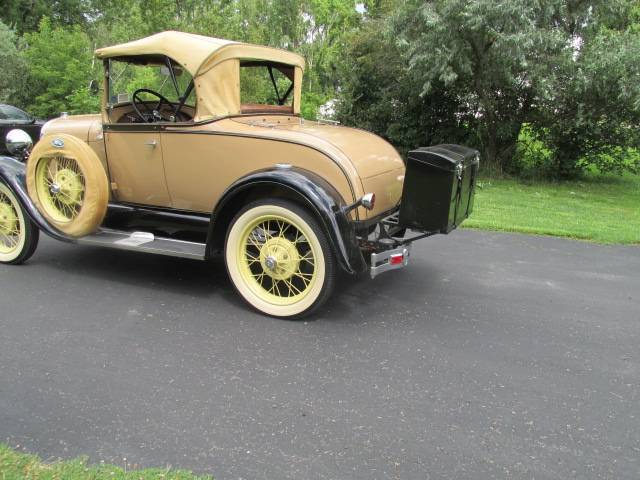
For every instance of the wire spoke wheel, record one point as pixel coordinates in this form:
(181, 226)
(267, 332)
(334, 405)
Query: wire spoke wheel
(18, 235)
(279, 259)
(68, 184)
(11, 229)
(61, 187)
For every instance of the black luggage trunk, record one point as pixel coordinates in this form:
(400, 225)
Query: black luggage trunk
(439, 187)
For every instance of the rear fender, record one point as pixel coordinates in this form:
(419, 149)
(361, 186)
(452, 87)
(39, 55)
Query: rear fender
(13, 173)
(310, 189)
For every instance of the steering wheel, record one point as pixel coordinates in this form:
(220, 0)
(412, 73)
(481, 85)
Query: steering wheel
(151, 115)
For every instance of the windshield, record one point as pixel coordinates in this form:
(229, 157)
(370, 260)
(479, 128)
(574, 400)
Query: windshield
(127, 77)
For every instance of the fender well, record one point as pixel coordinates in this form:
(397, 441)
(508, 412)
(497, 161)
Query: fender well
(302, 187)
(13, 173)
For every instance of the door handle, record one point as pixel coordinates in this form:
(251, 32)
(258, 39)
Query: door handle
(151, 143)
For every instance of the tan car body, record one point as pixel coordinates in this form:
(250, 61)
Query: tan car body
(188, 166)
(225, 166)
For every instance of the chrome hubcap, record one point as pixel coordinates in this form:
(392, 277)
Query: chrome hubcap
(280, 258)
(270, 263)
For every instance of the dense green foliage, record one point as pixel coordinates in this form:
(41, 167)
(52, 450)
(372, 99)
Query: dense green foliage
(60, 67)
(567, 69)
(20, 466)
(541, 88)
(13, 66)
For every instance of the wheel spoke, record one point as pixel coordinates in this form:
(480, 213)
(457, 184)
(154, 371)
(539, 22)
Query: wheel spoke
(292, 287)
(303, 274)
(300, 239)
(53, 167)
(305, 281)
(277, 288)
(308, 257)
(10, 228)
(251, 257)
(252, 240)
(259, 277)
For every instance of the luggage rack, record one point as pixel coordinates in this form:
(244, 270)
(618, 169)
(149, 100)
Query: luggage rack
(392, 220)
(391, 234)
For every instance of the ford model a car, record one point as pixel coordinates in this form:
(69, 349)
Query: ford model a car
(200, 149)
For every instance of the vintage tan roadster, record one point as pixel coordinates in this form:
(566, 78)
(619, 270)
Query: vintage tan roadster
(200, 149)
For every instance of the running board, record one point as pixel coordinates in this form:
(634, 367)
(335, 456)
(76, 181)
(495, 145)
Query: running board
(145, 242)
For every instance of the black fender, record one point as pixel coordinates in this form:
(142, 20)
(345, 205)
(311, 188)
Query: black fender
(316, 193)
(14, 174)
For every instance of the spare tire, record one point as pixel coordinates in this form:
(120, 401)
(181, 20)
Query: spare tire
(67, 183)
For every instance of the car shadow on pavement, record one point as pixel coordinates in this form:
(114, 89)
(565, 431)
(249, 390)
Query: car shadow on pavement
(362, 298)
(354, 299)
(178, 275)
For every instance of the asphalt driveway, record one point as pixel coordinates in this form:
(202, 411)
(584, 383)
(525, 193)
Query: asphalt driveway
(491, 356)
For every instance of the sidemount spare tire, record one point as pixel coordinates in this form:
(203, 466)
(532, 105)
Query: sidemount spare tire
(68, 185)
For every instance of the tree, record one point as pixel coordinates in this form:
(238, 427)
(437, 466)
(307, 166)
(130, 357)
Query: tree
(13, 69)
(489, 52)
(566, 68)
(25, 15)
(60, 69)
(589, 110)
(378, 92)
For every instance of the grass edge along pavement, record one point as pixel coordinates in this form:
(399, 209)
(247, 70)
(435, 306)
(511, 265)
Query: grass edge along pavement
(598, 208)
(16, 465)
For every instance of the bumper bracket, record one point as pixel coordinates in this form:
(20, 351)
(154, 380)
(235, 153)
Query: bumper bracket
(390, 260)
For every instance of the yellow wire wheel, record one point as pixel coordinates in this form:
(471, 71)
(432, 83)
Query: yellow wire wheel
(12, 226)
(68, 184)
(279, 259)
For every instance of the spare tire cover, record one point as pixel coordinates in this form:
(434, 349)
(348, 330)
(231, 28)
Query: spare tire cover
(68, 184)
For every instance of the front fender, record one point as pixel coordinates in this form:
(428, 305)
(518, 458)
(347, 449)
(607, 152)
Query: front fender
(13, 173)
(318, 195)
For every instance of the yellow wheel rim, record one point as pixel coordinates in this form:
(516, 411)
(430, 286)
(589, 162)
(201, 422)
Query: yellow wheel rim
(276, 260)
(11, 230)
(60, 187)
(10, 227)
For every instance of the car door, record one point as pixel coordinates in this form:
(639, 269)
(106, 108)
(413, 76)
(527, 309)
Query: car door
(136, 168)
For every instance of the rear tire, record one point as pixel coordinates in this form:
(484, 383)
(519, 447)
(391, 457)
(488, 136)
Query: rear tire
(279, 259)
(18, 234)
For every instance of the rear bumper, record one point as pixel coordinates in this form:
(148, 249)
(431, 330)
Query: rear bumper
(390, 260)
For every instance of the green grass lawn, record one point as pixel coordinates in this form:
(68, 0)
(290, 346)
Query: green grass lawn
(19, 466)
(598, 208)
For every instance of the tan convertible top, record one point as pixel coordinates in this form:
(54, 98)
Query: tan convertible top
(192, 51)
(213, 63)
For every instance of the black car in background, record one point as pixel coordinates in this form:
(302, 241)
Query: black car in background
(12, 117)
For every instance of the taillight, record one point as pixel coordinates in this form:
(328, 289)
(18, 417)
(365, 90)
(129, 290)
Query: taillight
(396, 259)
(368, 201)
